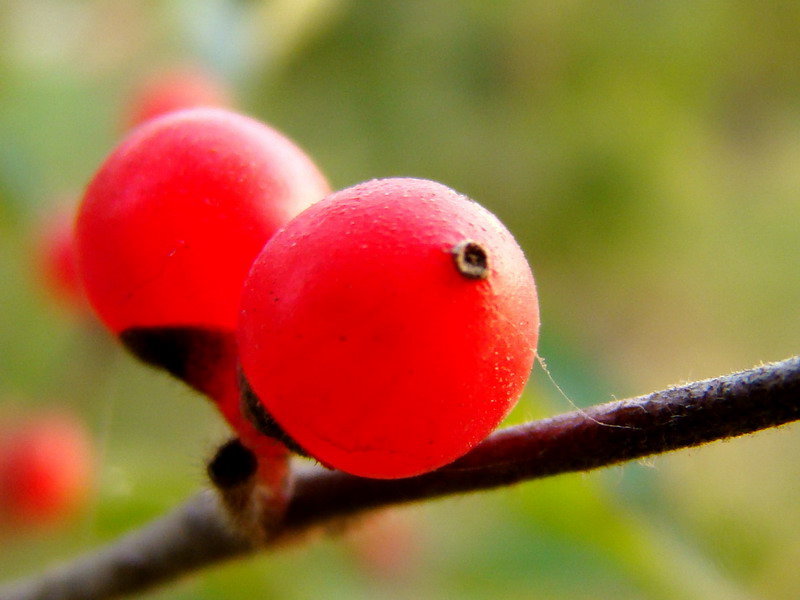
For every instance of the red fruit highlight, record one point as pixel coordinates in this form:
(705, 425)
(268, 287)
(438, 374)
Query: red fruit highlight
(172, 221)
(45, 470)
(390, 327)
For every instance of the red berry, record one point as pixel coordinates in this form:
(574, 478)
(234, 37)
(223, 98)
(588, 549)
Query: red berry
(175, 216)
(45, 469)
(175, 89)
(57, 261)
(390, 327)
(388, 546)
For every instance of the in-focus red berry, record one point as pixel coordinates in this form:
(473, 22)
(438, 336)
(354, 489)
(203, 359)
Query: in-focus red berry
(45, 469)
(175, 89)
(390, 327)
(172, 221)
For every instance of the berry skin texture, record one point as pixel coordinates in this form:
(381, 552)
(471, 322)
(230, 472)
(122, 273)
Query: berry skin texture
(390, 327)
(45, 470)
(173, 219)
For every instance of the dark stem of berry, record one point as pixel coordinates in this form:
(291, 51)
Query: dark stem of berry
(255, 412)
(471, 259)
(191, 354)
(233, 465)
(249, 504)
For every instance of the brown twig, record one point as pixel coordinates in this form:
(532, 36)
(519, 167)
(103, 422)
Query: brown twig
(193, 536)
(199, 533)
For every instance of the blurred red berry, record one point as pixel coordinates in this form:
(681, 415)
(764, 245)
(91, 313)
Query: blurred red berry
(390, 327)
(45, 469)
(57, 263)
(175, 89)
(387, 545)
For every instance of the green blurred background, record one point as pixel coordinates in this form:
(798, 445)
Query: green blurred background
(645, 154)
